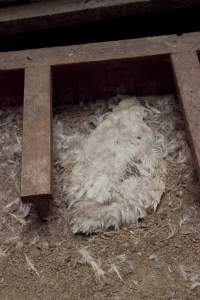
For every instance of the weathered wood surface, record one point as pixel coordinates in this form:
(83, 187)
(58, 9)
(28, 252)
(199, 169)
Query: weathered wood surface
(36, 174)
(36, 178)
(100, 51)
(187, 75)
(52, 14)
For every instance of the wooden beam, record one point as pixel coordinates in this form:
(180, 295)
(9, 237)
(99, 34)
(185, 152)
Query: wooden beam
(95, 52)
(51, 14)
(36, 174)
(187, 74)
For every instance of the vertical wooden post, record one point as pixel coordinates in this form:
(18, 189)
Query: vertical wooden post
(36, 173)
(187, 74)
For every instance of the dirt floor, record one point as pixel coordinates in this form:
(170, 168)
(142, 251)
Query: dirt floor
(158, 258)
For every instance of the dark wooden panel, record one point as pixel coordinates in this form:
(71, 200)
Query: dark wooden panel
(52, 14)
(11, 87)
(88, 81)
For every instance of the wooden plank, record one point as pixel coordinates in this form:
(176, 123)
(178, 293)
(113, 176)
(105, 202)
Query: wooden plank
(52, 14)
(36, 174)
(187, 74)
(100, 51)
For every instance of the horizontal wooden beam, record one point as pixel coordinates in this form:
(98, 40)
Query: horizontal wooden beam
(100, 51)
(52, 14)
(36, 174)
(187, 74)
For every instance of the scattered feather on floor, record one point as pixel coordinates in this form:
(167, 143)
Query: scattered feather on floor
(18, 219)
(125, 260)
(172, 230)
(86, 258)
(188, 274)
(114, 269)
(31, 266)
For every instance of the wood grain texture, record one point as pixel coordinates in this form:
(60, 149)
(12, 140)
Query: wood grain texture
(187, 75)
(97, 52)
(36, 174)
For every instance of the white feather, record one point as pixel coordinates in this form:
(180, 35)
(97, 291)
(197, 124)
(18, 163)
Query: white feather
(86, 258)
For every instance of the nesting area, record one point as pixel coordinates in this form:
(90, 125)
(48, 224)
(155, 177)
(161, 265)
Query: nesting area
(153, 258)
(120, 163)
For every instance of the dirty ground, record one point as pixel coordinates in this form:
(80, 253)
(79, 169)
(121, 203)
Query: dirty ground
(158, 258)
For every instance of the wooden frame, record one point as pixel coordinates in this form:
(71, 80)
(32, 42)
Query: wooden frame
(37, 128)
